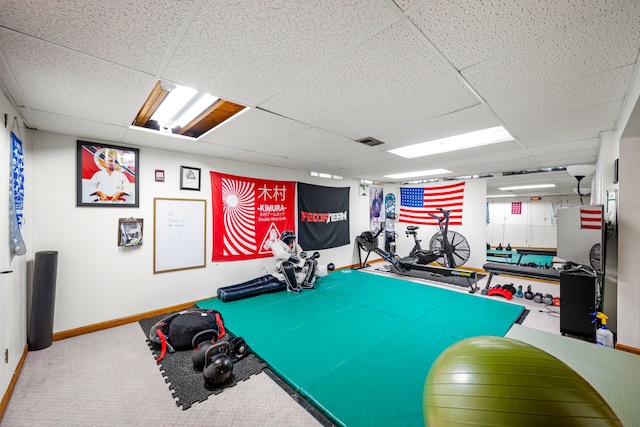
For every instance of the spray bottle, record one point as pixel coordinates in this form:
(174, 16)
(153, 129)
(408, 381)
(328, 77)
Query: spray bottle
(603, 335)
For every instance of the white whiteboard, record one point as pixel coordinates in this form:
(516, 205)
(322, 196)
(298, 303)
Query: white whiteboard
(179, 234)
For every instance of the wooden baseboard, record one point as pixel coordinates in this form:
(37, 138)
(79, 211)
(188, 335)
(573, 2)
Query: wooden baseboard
(118, 322)
(12, 383)
(628, 349)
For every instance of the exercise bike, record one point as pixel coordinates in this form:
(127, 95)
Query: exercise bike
(446, 247)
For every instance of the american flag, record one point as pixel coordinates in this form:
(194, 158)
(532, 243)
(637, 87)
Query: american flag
(516, 208)
(591, 217)
(417, 203)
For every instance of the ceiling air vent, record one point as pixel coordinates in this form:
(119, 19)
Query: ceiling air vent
(371, 142)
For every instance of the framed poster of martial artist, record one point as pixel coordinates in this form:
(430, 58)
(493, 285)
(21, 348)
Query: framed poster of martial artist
(106, 175)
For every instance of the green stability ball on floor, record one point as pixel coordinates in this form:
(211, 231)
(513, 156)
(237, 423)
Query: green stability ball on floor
(496, 381)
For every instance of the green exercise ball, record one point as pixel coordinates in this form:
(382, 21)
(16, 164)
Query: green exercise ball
(497, 381)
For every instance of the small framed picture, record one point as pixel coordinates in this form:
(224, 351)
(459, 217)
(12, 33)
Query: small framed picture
(130, 231)
(106, 175)
(189, 178)
(159, 175)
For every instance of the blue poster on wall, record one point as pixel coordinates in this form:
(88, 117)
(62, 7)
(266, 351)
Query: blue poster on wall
(17, 196)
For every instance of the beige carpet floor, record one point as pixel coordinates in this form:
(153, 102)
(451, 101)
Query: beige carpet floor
(109, 378)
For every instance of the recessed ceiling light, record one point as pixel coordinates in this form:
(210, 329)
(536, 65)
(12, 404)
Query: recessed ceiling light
(182, 111)
(454, 143)
(418, 173)
(527, 187)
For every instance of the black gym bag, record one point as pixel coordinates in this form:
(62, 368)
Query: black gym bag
(176, 331)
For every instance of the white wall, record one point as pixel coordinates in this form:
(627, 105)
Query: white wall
(603, 182)
(13, 290)
(629, 244)
(533, 228)
(98, 281)
(626, 138)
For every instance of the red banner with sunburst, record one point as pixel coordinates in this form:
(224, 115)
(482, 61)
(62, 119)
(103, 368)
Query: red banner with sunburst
(249, 215)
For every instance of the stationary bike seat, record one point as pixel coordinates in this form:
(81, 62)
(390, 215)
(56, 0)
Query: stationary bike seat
(500, 292)
(412, 227)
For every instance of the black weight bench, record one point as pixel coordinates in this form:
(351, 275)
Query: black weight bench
(496, 268)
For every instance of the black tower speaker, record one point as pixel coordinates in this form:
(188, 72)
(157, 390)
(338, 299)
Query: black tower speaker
(43, 300)
(578, 300)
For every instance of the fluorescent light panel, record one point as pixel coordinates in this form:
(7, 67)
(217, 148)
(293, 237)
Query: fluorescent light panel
(418, 173)
(182, 105)
(527, 187)
(178, 110)
(454, 143)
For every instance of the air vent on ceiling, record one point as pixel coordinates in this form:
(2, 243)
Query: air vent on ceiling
(371, 142)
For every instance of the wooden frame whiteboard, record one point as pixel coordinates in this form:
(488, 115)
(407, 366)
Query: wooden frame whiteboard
(179, 234)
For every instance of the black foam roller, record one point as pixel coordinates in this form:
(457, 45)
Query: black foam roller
(43, 300)
(261, 285)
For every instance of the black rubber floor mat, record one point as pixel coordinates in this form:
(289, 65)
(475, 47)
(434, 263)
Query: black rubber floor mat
(188, 386)
(523, 316)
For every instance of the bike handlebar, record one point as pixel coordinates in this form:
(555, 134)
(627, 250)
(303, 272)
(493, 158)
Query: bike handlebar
(445, 213)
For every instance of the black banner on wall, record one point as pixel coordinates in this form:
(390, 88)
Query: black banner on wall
(323, 216)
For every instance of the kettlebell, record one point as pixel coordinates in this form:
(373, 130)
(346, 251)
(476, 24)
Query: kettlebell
(528, 294)
(519, 292)
(218, 366)
(538, 297)
(548, 299)
(200, 347)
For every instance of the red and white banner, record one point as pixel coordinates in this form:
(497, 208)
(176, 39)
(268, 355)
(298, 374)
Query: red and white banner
(417, 203)
(591, 217)
(249, 215)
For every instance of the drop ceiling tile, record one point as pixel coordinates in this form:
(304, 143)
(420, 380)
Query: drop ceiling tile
(603, 113)
(401, 120)
(391, 66)
(406, 4)
(69, 83)
(79, 128)
(248, 50)
(608, 43)
(610, 85)
(575, 134)
(161, 141)
(407, 127)
(371, 161)
(569, 158)
(305, 144)
(121, 31)
(571, 147)
(468, 32)
(253, 128)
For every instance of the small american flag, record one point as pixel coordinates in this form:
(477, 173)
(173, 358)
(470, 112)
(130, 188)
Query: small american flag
(591, 217)
(417, 203)
(516, 208)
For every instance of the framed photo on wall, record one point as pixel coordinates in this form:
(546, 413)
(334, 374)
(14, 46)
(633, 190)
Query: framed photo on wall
(189, 178)
(130, 231)
(107, 175)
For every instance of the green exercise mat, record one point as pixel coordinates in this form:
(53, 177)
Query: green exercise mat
(360, 345)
